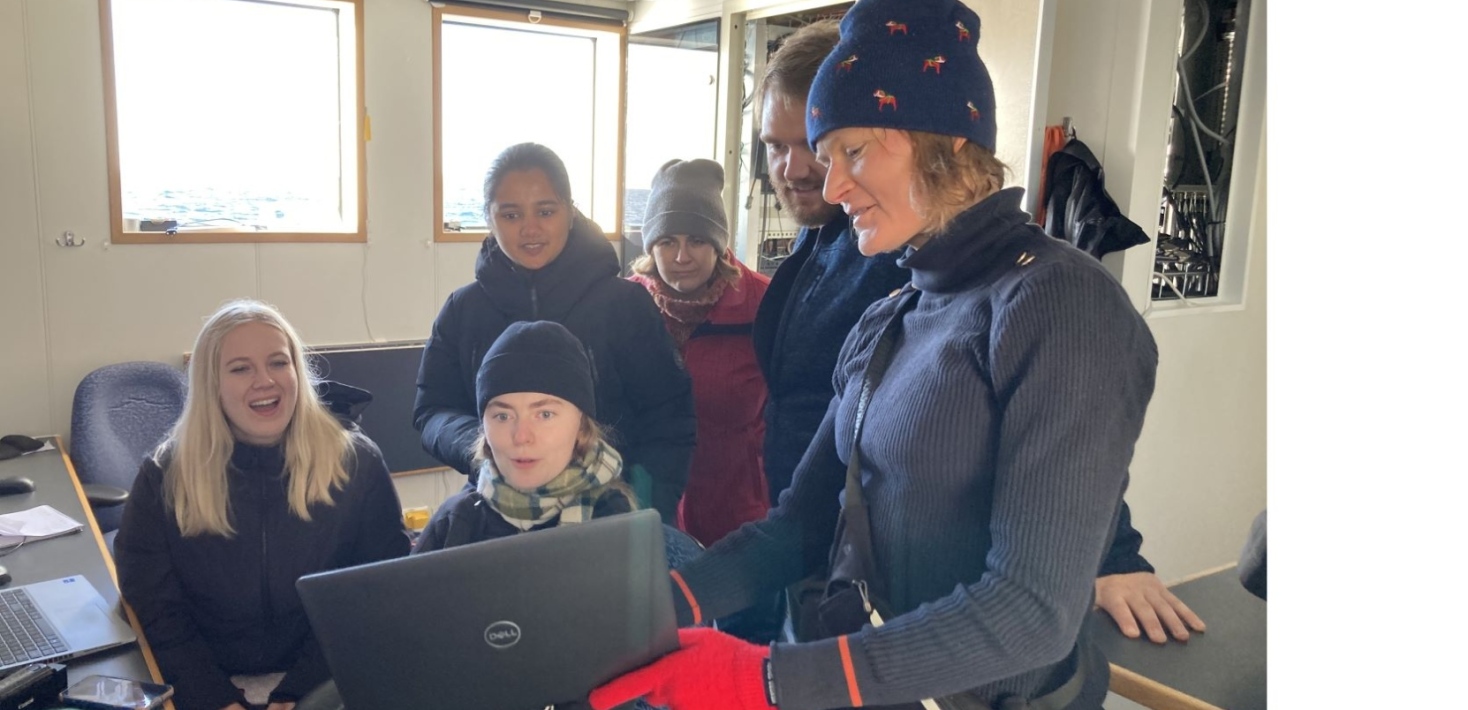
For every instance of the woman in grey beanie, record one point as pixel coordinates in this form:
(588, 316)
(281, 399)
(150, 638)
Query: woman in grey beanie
(708, 300)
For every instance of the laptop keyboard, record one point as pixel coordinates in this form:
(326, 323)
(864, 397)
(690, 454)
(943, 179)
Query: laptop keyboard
(24, 633)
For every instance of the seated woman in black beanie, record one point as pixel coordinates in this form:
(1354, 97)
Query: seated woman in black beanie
(542, 460)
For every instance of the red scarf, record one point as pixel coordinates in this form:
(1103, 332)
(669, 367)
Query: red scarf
(684, 314)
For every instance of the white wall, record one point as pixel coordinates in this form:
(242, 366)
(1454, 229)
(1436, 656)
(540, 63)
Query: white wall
(1198, 476)
(68, 311)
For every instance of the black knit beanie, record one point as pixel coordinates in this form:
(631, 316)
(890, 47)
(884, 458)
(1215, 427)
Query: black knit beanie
(537, 356)
(905, 64)
(687, 198)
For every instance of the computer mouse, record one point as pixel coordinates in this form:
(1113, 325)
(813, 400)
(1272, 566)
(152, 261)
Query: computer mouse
(22, 442)
(4, 576)
(12, 485)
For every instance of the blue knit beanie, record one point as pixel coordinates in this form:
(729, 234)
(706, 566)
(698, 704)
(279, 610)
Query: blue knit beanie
(907, 64)
(537, 356)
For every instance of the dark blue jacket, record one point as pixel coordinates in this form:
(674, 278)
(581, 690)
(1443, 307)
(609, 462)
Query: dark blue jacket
(643, 394)
(993, 462)
(815, 298)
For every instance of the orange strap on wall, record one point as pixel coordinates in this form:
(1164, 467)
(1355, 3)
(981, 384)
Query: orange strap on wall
(1054, 140)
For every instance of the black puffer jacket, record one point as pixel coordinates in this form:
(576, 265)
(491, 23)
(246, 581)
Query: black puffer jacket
(213, 606)
(642, 392)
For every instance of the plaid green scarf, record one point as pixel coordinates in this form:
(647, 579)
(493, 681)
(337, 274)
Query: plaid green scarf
(572, 494)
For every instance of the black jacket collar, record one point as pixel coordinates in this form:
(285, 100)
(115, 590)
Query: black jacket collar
(550, 292)
(973, 240)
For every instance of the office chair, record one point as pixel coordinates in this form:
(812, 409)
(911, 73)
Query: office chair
(119, 414)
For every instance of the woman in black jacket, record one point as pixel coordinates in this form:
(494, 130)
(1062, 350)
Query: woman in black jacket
(256, 486)
(545, 261)
(542, 460)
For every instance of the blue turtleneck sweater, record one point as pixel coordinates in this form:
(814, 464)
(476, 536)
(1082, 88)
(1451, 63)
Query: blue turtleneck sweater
(993, 463)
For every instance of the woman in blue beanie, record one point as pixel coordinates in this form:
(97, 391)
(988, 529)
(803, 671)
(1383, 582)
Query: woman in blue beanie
(543, 260)
(966, 479)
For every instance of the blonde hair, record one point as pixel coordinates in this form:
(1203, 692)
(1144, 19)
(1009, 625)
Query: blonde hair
(198, 450)
(949, 181)
(724, 268)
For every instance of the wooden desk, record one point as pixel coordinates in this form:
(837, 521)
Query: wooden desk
(1224, 667)
(82, 553)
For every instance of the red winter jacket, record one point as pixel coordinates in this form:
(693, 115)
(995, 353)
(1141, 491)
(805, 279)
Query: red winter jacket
(726, 483)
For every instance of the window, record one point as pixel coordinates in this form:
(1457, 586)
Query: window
(502, 78)
(672, 107)
(1203, 153)
(774, 232)
(234, 120)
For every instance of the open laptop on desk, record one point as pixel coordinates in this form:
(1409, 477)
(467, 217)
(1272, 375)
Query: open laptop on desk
(517, 623)
(56, 620)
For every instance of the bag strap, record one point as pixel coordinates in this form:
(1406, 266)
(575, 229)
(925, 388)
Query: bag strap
(706, 329)
(871, 379)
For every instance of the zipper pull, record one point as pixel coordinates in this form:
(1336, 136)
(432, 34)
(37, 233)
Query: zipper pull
(866, 603)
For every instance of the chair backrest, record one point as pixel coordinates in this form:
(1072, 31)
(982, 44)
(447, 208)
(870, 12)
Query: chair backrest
(119, 414)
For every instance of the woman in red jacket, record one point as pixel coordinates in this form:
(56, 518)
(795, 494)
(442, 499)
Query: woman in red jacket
(708, 301)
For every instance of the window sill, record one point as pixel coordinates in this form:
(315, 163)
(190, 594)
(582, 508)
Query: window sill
(221, 237)
(1197, 306)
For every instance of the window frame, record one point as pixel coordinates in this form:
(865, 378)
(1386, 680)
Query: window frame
(575, 26)
(716, 154)
(1249, 159)
(234, 236)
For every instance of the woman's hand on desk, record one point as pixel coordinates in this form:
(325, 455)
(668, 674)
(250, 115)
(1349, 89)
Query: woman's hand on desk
(235, 706)
(1140, 597)
(281, 706)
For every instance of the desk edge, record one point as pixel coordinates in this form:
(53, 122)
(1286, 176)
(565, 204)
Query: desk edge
(1145, 691)
(132, 616)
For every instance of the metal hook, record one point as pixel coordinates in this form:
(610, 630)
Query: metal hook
(68, 239)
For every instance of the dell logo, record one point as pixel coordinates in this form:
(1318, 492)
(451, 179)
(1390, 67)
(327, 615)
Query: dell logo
(502, 634)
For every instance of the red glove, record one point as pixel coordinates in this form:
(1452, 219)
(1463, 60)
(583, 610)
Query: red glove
(712, 671)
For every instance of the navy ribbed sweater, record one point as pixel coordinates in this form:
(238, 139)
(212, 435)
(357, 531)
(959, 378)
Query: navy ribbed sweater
(993, 462)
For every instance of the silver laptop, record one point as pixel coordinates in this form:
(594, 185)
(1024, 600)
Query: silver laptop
(516, 623)
(56, 620)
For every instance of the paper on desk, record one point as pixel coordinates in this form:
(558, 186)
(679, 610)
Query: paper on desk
(45, 446)
(37, 523)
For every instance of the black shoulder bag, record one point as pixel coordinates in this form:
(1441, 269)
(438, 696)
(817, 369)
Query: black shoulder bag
(855, 595)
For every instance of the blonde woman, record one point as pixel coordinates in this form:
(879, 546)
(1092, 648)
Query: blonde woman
(541, 460)
(257, 485)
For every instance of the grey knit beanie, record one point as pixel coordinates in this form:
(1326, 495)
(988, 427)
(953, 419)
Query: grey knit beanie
(687, 198)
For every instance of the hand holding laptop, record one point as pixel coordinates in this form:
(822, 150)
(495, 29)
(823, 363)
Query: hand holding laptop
(712, 671)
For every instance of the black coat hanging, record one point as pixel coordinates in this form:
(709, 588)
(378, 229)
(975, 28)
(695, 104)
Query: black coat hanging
(1077, 208)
